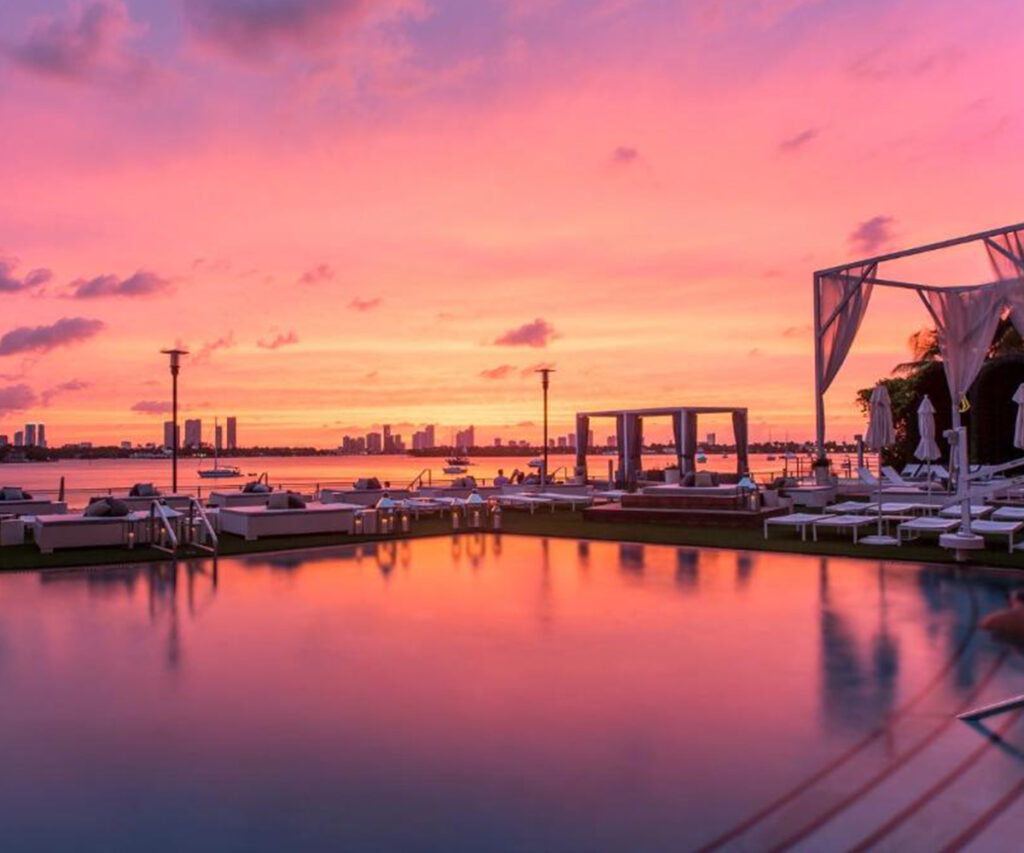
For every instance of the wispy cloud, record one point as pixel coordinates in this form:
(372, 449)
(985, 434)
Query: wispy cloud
(358, 304)
(871, 235)
(88, 46)
(281, 340)
(142, 283)
(624, 155)
(66, 331)
(798, 141)
(63, 388)
(206, 351)
(533, 368)
(12, 283)
(152, 407)
(16, 398)
(318, 275)
(502, 371)
(257, 30)
(539, 333)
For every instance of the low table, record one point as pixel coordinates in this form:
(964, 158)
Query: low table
(800, 520)
(998, 528)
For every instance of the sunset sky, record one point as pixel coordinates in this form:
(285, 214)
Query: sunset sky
(365, 211)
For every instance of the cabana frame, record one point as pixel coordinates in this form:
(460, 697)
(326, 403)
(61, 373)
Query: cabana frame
(870, 277)
(629, 434)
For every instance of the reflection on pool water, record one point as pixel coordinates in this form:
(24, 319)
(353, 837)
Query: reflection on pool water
(505, 693)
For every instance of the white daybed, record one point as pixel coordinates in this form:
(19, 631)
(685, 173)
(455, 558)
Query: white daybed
(33, 506)
(238, 498)
(79, 531)
(253, 522)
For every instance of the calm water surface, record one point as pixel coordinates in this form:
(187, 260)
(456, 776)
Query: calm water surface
(502, 693)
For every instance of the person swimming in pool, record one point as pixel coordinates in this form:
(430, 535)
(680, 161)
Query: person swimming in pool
(1008, 624)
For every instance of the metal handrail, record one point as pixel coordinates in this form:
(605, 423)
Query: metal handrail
(196, 508)
(156, 510)
(417, 481)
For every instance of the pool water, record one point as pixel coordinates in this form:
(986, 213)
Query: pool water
(506, 693)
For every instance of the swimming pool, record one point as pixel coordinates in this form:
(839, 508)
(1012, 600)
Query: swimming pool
(506, 693)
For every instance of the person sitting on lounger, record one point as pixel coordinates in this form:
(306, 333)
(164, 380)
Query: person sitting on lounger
(501, 479)
(1008, 624)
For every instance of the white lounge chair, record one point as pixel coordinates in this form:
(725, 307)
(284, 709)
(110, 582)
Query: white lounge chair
(926, 524)
(253, 522)
(955, 510)
(1008, 513)
(799, 520)
(33, 507)
(567, 500)
(848, 507)
(843, 522)
(1009, 529)
(530, 502)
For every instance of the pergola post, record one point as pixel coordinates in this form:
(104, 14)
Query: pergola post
(819, 366)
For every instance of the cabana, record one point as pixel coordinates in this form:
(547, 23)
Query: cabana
(629, 431)
(965, 319)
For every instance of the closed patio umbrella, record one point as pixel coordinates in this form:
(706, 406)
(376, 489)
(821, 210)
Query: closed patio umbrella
(928, 448)
(1018, 428)
(880, 434)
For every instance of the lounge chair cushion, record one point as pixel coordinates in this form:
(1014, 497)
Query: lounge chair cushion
(703, 478)
(12, 493)
(278, 500)
(144, 490)
(98, 508)
(295, 501)
(367, 484)
(687, 479)
(256, 487)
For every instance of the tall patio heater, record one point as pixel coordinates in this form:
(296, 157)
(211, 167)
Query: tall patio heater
(175, 355)
(545, 380)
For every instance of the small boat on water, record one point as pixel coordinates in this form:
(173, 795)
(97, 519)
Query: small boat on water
(456, 464)
(217, 472)
(702, 456)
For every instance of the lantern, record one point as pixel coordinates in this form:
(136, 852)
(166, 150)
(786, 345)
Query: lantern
(496, 515)
(404, 518)
(749, 494)
(475, 507)
(386, 514)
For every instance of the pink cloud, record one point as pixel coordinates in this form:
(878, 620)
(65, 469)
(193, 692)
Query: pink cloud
(11, 283)
(16, 398)
(87, 47)
(64, 387)
(872, 234)
(152, 407)
(536, 334)
(358, 304)
(66, 331)
(624, 155)
(317, 275)
(502, 371)
(259, 29)
(207, 350)
(798, 141)
(142, 283)
(279, 341)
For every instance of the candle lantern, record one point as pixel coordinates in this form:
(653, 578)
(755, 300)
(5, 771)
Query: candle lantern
(496, 515)
(386, 508)
(455, 517)
(749, 495)
(475, 508)
(357, 524)
(404, 518)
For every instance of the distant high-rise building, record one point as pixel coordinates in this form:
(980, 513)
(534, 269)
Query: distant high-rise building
(30, 435)
(497, 441)
(374, 443)
(465, 437)
(169, 434)
(563, 441)
(4, 441)
(19, 439)
(41, 435)
(388, 446)
(612, 441)
(430, 438)
(232, 433)
(218, 437)
(711, 438)
(590, 440)
(193, 433)
(126, 445)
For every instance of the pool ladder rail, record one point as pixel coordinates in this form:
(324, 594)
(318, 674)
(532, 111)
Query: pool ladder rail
(194, 531)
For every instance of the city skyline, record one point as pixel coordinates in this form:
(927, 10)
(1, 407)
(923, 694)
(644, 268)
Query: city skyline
(645, 220)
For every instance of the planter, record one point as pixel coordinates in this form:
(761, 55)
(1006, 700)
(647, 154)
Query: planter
(672, 476)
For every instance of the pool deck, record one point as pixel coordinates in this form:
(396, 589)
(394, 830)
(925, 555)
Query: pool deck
(571, 525)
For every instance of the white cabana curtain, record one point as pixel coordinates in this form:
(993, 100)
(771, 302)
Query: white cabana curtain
(966, 321)
(927, 448)
(842, 304)
(1018, 427)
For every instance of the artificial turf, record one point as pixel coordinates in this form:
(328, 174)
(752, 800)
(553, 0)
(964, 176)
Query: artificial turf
(569, 525)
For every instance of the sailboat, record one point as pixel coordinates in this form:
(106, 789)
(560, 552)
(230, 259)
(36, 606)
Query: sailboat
(217, 472)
